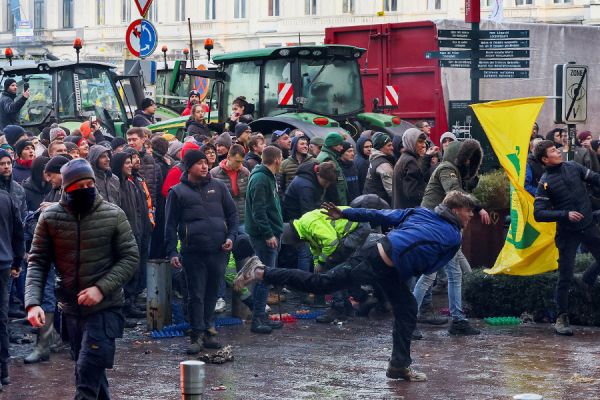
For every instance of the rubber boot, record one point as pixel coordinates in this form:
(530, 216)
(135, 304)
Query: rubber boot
(562, 325)
(41, 351)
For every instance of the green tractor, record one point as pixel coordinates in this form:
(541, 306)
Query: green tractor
(326, 91)
(68, 93)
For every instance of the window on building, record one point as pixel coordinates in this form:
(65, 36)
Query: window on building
(153, 12)
(348, 6)
(100, 12)
(310, 7)
(486, 3)
(273, 8)
(67, 14)
(180, 10)
(562, 1)
(210, 10)
(126, 11)
(391, 5)
(434, 4)
(38, 14)
(525, 2)
(239, 10)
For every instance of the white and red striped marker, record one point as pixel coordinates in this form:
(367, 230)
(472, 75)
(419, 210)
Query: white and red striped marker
(285, 94)
(391, 95)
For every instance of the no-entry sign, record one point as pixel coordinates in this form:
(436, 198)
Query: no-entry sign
(141, 38)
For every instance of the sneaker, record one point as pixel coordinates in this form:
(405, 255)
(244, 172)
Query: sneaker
(267, 309)
(247, 274)
(260, 326)
(220, 306)
(585, 287)
(405, 373)
(195, 346)
(562, 325)
(330, 316)
(416, 335)
(462, 327)
(210, 342)
(428, 316)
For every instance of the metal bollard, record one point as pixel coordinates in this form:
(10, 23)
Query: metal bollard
(158, 303)
(192, 379)
(528, 396)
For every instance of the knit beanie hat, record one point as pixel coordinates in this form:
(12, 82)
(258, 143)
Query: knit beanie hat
(117, 142)
(147, 102)
(20, 146)
(4, 153)
(224, 139)
(13, 133)
(447, 135)
(45, 134)
(380, 139)
(55, 132)
(333, 139)
(581, 136)
(240, 128)
(55, 164)
(174, 147)
(187, 147)
(75, 171)
(347, 145)
(7, 147)
(8, 82)
(192, 157)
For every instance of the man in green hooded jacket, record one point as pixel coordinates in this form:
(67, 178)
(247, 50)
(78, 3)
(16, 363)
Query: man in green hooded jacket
(331, 151)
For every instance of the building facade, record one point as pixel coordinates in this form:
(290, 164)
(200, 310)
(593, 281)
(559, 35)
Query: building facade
(38, 26)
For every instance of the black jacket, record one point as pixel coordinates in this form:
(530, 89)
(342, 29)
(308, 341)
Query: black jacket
(12, 245)
(304, 193)
(35, 193)
(204, 215)
(10, 108)
(410, 179)
(562, 188)
(141, 119)
(361, 162)
(351, 174)
(251, 160)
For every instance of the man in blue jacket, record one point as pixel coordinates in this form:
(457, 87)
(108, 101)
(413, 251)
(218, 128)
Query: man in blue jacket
(202, 212)
(421, 241)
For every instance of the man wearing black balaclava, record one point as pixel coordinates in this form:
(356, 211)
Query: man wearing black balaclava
(94, 252)
(9, 107)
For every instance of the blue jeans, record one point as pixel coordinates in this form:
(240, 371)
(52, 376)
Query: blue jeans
(222, 285)
(425, 282)
(305, 257)
(268, 256)
(49, 298)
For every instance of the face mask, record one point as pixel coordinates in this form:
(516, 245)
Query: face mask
(81, 201)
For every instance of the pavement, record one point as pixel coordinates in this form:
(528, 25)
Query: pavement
(306, 360)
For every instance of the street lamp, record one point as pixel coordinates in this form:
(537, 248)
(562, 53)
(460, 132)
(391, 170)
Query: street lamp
(77, 45)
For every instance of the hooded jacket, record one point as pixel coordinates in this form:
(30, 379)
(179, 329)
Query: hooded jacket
(362, 162)
(422, 240)
(339, 193)
(351, 174)
(263, 209)
(236, 182)
(10, 108)
(106, 183)
(12, 243)
(379, 175)
(411, 174)
(21, 172)
(453, 173)
(151, 173)
(290, 165)
(36, 186)
(16, 192)
(304, 193)
(203, 215)
(141, 119)
(251, 160)
(94, 249)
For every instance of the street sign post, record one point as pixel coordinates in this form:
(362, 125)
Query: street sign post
(456, 43)
(454, 33)
(502, 74)
(504, 53)
(141, 38)
(509, 34)
(143, 6)
(449, 55)
(503, 44)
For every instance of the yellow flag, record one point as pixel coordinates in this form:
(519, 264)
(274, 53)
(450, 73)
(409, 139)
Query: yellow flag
(529, 248)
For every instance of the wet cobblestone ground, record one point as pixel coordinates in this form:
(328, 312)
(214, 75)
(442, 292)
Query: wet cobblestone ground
(306, 360)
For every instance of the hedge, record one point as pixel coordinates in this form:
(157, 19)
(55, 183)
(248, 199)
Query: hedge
(507, 295)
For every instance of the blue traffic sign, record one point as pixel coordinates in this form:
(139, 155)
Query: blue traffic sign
(141, 38)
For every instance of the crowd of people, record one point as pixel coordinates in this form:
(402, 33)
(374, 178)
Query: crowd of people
(82, 213)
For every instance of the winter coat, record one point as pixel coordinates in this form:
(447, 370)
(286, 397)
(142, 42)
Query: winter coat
(562, 188)
(379, 176)
(17, 193)
(95, 249)
(453, 173)
(410, 180)
(150, 172)
(203, 215)
(263, 209)
(172, 179)
(107, 184)
(10, 108)
(533, 173)
(12, 244)
(193, 127)
(141, 119)
(289, 166)
(351, 174)
(225, 175)
(54, 195)
(21, 173)
(422, 240)
(251, 160)
(35, 193)
(304, 193)
(325, 237)
(361, 162)
(337, 194)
